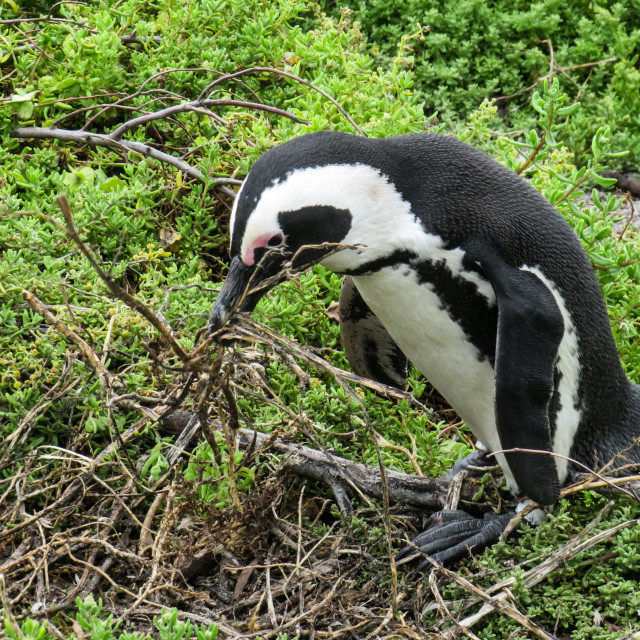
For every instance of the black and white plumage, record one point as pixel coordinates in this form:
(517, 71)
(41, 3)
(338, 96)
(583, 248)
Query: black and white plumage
(474, 276)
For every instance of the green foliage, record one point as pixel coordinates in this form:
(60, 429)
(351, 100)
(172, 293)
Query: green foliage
(164, 238)
(121, 208)
(474, 50)
(28, 630)
(211, 476)
(92, 619)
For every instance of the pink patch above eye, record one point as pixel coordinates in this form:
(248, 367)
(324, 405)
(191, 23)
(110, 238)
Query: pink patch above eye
(249, 257)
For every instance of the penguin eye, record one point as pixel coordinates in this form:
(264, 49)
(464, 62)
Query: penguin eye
(275, 241)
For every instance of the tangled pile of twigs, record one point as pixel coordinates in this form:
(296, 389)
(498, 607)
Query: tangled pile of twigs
(256, 568)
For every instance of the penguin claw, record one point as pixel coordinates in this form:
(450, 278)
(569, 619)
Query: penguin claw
(476, 464)
(342, 496)
(450, 535)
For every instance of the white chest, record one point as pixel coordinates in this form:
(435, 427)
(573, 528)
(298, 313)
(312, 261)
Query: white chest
(415, 317)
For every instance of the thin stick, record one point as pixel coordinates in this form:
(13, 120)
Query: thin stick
(572, 461)
(497, 604)
(199, 104)
(444, 610)
(286, 74)
(117, 290)
(89, 353)
(103, 140)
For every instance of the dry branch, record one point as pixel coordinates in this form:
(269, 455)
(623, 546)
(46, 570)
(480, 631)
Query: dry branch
(194, 105)
(341, 475)
(201, 105)
(286, 74)
(103, 140)
(249, 330)
(105, 377)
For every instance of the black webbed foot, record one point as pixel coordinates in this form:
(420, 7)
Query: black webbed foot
(451, 535)
(476, 464)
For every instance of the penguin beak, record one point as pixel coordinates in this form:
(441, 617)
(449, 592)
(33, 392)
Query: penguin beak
(241, 290)
(232, 294)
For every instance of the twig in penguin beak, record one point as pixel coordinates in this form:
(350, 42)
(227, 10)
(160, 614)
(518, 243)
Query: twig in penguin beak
(244, 286)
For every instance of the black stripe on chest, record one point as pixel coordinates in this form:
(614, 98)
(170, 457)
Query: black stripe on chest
(460, 298)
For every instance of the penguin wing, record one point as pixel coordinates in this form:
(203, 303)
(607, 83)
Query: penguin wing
(371, 351)
(530, 330)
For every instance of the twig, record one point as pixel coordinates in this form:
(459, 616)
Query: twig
(444, 610)
(495, 603)
(165, 331)
(453, 494)
(428, 493)
(559, 70)
(104, 140)
(101, 572)
(114, 139)
(10, 620)
(117, 134)
(319, 606)
(146, 534)
(49, 19)
(105, 376)
(246, 327)
(61, 387)
(133, 38)
(572, 461)
(286, 74)
(157, 549)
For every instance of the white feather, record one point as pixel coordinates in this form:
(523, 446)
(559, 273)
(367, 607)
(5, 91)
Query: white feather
(568, 364)
(234, 210)
(438, 347)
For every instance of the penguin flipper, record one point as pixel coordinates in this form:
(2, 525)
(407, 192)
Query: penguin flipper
(371, 351)
(530, 330)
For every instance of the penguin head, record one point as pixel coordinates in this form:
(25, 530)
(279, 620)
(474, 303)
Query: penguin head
(321, 198)
(288, 209)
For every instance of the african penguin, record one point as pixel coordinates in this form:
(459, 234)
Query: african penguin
(462, 268)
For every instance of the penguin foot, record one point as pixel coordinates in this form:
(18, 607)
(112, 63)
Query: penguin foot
(342, 493)
(476, 464)
(450, 535)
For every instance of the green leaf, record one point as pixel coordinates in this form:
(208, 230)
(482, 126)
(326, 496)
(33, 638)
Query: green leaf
(65, 84)
(112, 184)
(25, 110)
(603, 182)
(81, 176)
(569, 110)
(22, 96)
